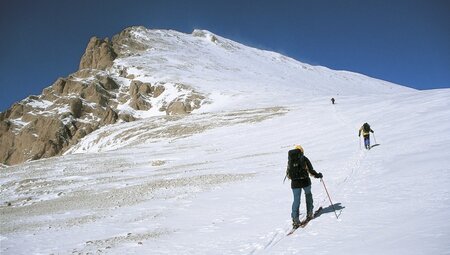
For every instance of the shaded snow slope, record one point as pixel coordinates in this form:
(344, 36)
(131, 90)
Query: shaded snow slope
(215, 184)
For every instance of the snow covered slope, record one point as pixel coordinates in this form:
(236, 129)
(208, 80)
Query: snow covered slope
(142, 73)
(226, 71)
(212, 183)
(228, 75)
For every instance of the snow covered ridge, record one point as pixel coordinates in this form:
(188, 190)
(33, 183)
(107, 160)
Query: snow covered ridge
(213, 63)
(142, 73)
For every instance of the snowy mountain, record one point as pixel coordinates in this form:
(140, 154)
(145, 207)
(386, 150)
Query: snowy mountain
(141, 73)
(211, 181)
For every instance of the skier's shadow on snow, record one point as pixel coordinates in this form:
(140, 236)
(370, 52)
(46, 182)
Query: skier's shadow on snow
(338, 207)
(374, 145)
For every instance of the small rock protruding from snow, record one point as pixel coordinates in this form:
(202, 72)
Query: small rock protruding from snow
(205, 34)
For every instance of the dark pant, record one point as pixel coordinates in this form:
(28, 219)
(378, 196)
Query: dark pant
(296, 204)
(367, 141)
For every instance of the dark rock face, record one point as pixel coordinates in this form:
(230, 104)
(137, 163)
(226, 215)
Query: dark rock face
(46, 125)
(124, 43)
(99, 54)
(72, 107)
(76, 107)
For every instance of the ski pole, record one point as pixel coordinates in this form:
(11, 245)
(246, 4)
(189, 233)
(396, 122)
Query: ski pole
(359, 138)
(375, 139)
(329, 197)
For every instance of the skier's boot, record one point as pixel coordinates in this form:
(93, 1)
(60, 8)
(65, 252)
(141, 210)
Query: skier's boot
(295, 222)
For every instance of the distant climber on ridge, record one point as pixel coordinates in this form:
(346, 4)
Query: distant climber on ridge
(332, 100)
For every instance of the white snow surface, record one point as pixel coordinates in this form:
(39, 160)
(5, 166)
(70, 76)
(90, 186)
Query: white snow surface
(220, 190)
(226, 71)
(212, 182)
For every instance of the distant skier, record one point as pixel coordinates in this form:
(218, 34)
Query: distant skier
(365, 130)
(332, 100)
(298, 170)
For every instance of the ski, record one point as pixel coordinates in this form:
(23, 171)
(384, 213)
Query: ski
(304, 222)
(316, 213)
(292, 230)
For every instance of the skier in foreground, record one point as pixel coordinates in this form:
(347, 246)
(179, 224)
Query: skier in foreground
(365, 130)
(298, 170)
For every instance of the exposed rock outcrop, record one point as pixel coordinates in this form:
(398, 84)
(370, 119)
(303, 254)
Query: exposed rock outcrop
(42, 137)
(47, 125)
(176, 108)
(109, 117)
(96, 95)
(158, 90)
(185, 105)
(140, 92)
(76, 107)
(99, 54)
(108, 83)
(126, 43)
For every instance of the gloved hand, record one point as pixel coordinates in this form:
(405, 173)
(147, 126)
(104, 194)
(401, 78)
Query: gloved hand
(319, 175)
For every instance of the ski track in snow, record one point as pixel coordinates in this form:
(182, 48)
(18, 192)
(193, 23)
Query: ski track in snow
(277, 236)
(220, 191)
(211, 182)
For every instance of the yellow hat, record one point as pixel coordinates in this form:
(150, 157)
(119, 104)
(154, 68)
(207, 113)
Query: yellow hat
(298, 147)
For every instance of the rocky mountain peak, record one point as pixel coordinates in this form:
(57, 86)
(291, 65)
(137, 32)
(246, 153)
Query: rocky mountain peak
(100, 93)
(99, 54)
(143, 73)
(129, 41)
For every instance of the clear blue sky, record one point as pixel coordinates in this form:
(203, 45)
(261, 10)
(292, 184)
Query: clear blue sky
(403, 41)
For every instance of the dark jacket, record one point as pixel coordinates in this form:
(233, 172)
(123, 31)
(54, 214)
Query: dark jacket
(295, 184)
(364, 132)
